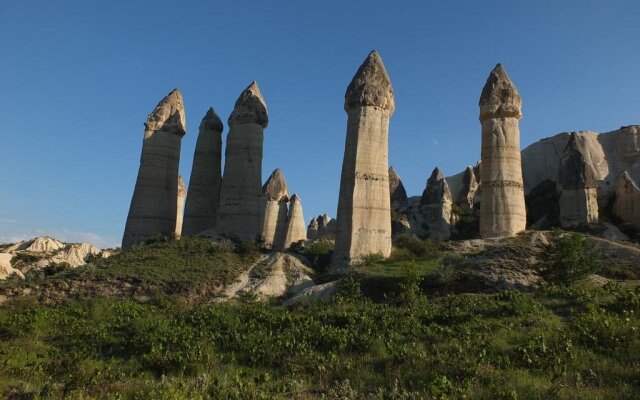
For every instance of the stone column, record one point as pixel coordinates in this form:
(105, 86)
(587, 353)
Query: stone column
(204, 185)
(502, 208)
(312, 229)
(182, 197)
(467, 193)
(435, 206)
(241, 201)
(364, 205)
(578, 187)
(154, 205)
(276, 197)
(296, 229)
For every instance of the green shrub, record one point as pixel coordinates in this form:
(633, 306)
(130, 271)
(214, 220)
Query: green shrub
(372, 259)
(424, 249)
(319, 253)
(568, 258)
(410, 286)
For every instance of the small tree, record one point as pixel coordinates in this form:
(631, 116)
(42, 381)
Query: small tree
(568, 258)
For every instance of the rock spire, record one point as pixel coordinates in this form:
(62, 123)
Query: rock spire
(276, 197)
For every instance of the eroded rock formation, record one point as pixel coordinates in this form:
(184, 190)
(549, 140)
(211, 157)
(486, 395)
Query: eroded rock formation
(502, 207)
(154, 206)
(364, 205)
(206, 177)
(296, 229)
(274, 227)
(312, 229)
(182, 198)
(240, 209)
(435, 207)
(626, 206)
(467, 192)
(396, 190)
(577, 185)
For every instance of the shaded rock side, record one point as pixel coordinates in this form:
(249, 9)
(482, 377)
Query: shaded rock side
(241, 201)
(312, 229)
(468, 189)
(626, 205)
(364, 205)
(435, 207)
(396, 190)
(324, 222)
(577, 185)
(154, 204)
(502, 207)
(206, 177)
(296, 229)
(276, 195)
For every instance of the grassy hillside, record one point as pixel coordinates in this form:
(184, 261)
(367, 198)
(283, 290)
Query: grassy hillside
(397, 330)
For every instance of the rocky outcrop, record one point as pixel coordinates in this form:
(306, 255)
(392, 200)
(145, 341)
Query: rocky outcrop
(326, 225)
(312, 229)
(274, 226)
(626, 206)
(6, 269)
(77, 254)
(43, 244)
(364, 205)
(468, 189)
(577, 185)
(154, 205)
(435, 207)
(241, 200)
(182, 198)
(502, 207)
(396, 190)
(206, 177)
(296, 229)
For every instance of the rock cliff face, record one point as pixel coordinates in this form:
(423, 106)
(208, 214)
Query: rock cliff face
(435, 207)
(502, 207)
(577, 186)
(154, 206)
(626, 206)
(206, 177)
(364, 205)
(241, 200)
(276, 194)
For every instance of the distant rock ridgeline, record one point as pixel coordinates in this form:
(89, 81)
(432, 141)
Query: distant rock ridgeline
(39, 253)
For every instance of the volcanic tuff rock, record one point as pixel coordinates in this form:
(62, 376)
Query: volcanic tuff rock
(435, 206)
(274, 226)
(502, 207)
(312, 229)
(6, 269)
(627, 202)
(364, 205)
(467, 191)
(396, 190)
(241, 200)
(154, 205)
(182, 198)
(577, 185)
(296, 229)
(206, 177)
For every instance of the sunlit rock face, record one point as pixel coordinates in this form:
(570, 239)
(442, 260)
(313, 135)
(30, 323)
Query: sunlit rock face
(502, 206)
(626, 206)
(276, 198)
(296, 229)
(154, 206)
(206, 178)
(364, 205)
(241, 201)
(435, 207)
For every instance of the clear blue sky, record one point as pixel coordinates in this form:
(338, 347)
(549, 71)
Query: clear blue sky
(80, 77)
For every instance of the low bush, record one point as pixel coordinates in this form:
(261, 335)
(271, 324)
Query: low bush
(568, 258)
(421, 249)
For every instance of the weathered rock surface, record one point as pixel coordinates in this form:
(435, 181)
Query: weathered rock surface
(396, 190)
(326, 225)
(502, 207)
(312, 229)
(364, 205)
(626, 206)
(467, 190)
(314, 293)
(6, 269)
(241, 200)
(274, 226)
(77, 254)
(296, 229)
(206, 177)
(182, 198)
(154, 205)
(578, 188)
(38, 245)
(435, 207)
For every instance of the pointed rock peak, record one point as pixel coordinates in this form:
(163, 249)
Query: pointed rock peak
(211, 121)
(250, 108)
(576, 172)
(370, 86)
(168, 115)
(436, 175)
(392, 172)
(469, 176)
(295, 199)
(182, 189)
(276, 186)
(500, 97)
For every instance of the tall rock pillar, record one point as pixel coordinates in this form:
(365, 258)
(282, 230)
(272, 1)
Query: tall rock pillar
(241, 201)
(502, 208)
(154, 205)
(276, 197)
(182, 198)
(204, 185)
(578, 185)
(435, 206)
(364, 205)
(296, 229)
